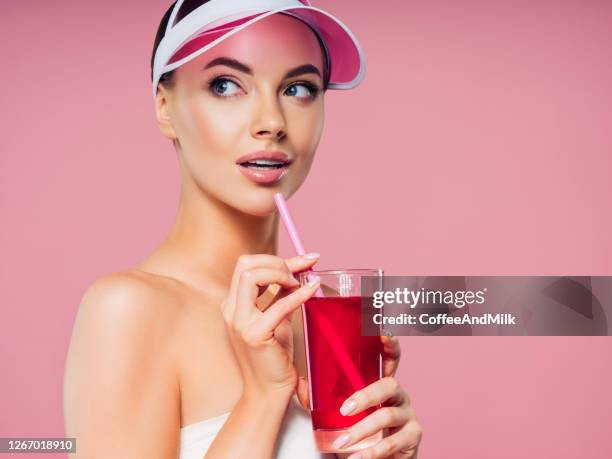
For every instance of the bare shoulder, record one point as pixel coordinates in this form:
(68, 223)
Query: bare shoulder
(127, 308)
(130, 298)
(121, 390)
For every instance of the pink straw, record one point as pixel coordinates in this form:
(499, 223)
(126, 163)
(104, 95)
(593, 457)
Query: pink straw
(281, 205)
(329, 332)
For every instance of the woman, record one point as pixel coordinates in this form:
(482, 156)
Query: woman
(191, 352)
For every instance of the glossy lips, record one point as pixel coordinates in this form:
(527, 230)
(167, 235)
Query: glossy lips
(264, 167)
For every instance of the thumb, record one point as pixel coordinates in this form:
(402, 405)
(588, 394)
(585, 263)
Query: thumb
(302, 393)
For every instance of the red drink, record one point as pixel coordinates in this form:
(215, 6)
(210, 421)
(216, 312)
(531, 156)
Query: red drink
(340, 362)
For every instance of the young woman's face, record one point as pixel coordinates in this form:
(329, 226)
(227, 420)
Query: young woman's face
(219, 112)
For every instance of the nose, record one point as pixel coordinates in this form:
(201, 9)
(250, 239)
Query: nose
(269, 120)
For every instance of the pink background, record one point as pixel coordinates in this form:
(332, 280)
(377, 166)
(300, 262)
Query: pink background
(478, 144)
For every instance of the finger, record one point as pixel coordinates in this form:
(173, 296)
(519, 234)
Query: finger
(378, 420)
(248, 288)
(391, 354)
(244, 263)
(302, 262)
(276, 313)
(404, 444)
(296, 265)
(386, 390)
(303, 393)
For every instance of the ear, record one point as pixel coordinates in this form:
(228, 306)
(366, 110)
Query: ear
(163, 112)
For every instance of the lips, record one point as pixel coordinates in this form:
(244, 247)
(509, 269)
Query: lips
(264, 167)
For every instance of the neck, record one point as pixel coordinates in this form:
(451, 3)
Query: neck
(207, 238)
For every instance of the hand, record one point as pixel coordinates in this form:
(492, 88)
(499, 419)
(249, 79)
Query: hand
(263, 341)
(396, 416)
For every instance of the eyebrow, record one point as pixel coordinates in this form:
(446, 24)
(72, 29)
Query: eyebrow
(237, 65)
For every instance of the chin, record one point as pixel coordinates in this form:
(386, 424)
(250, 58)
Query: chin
(258, 203)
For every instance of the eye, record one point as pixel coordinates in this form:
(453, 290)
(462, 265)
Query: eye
(302, 90)
(223, 87)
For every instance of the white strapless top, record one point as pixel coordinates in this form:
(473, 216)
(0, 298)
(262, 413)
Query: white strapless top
(295, 439)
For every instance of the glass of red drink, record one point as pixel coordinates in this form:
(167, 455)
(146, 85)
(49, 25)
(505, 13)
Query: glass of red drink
(340, 360)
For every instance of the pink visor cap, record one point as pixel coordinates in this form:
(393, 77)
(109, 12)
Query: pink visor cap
(217, 20)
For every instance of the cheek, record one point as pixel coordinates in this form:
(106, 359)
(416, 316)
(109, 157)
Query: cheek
(305, 131)
(306, 127)
(212, 129)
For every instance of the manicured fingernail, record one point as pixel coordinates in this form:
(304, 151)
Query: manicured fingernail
(314, 280)
(312, 255)
(347, 407)
(341, 440)
(355, 456)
